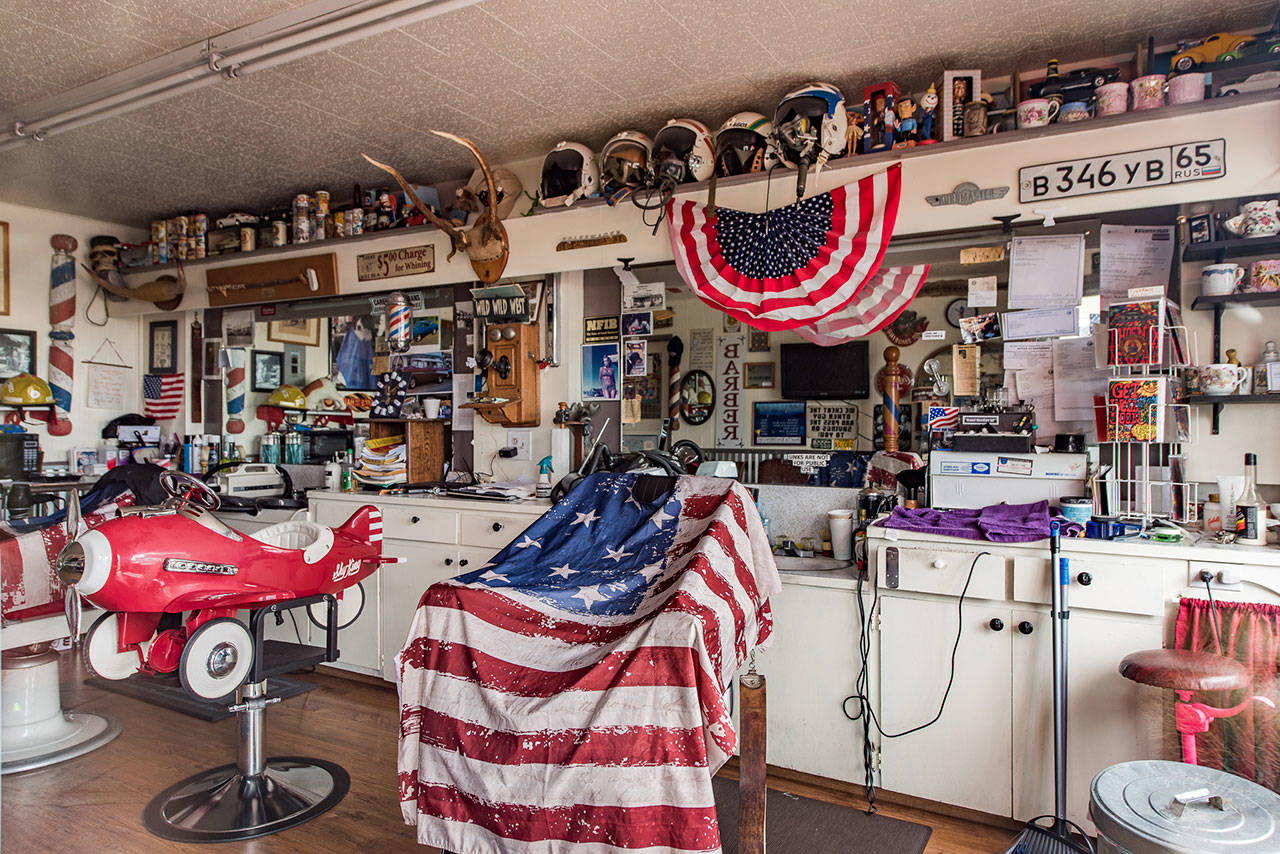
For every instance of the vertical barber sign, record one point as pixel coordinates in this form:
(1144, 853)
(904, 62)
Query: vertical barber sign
(729, 430)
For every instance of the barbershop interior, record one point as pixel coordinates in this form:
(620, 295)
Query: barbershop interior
(523, 427)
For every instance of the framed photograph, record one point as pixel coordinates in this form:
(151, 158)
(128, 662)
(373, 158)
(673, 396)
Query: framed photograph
(697, 397)
(634, 353)
(4, 268)
(305, 332)
(162, 347)
(1200, 228)
(958, 89)
(17, 352)
(979, 327)
(237, 327)
(757, 341)
(758, 375)
(601, 376)
(637, 323)
(729, 323)
(268, 370)
(351, 346)
(778, 422)
(212, 360)
(295, 365)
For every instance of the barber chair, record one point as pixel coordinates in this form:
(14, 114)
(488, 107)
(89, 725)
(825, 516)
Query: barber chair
(1184, 672)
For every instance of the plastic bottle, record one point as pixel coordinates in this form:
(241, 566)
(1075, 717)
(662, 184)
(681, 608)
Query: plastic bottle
(333, 474)
(543, 489)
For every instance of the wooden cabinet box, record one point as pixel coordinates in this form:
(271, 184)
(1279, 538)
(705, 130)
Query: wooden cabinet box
(428, 445)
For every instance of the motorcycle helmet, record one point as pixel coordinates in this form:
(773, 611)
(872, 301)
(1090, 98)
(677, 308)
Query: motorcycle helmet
(569, 173)
(810, 124)
(25, 390)
(682, 153)
(624, 162)
(745, 144)
(288, 397)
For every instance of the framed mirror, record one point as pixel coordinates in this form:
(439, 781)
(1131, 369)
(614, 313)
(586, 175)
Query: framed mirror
(697, 397)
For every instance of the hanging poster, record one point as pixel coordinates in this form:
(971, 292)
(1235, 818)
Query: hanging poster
(778, 422)
(729, 352)
(644, 296)
(601, 329)
(702, 350)
(106, 386)
(832, 427)
(600, 374)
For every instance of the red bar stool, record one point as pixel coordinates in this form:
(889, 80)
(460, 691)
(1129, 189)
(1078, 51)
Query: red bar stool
(1185, 672)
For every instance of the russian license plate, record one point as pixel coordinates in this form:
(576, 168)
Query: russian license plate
(1132, 170)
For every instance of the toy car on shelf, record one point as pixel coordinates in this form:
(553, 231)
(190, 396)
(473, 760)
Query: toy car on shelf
(1253, 83)
(178, 558)
(1075, 85)
(1219, 47)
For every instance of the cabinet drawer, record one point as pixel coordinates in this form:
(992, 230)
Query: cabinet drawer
(1120, 584)
(943, 571)
(418, 524)
(489, 529)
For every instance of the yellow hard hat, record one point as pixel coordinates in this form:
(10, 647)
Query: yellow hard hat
(288, 397)
(25, 390)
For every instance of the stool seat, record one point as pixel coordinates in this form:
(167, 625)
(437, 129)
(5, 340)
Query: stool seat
(1184, 670)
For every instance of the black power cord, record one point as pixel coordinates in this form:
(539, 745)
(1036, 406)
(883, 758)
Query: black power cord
(1206, 576)
(861, 686)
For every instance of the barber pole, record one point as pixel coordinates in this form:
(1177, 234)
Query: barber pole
(237, 386)
(675, 349)
(399, 319)
(62, 317)
(890, 398)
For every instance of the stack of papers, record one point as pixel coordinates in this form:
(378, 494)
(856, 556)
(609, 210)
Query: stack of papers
(383, 461)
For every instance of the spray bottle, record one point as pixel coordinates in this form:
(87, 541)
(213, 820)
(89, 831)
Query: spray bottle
(543, 489)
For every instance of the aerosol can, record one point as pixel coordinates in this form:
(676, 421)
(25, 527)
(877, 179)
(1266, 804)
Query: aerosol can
(543, 489)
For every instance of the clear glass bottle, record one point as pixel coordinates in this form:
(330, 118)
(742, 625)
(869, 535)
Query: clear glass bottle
(1269, 354)
(1251, 526)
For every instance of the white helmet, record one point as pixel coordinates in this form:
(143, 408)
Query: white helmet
(811, 124)
(682, 152)
(624, 162)
(744, 144)
(569, 173)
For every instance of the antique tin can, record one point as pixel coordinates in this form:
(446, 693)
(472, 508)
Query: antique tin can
(322, 202)
(248, 238)
(198, 231)
(301, 219)
(355, 222)
(181, 224)
(318, 231)
(159, 241)
(339, 223)
(279, 233)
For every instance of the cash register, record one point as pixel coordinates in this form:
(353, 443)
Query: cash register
(19, 456)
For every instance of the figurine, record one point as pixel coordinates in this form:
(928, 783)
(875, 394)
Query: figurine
(929, 106)
(889, 117)
(908, 127)
(856, 130)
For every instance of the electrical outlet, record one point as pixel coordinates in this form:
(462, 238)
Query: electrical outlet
(522, 441)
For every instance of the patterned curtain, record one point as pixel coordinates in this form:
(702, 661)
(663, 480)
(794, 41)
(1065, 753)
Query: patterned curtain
(1249, 743)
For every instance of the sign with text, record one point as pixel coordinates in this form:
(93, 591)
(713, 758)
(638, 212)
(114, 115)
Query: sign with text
(602, 329)
(729, 352)
(1131, 170)
(778, 422)
(406, 261)
(832, 427)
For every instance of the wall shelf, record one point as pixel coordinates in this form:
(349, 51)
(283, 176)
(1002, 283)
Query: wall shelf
(1211, 303)
(1218, 251)
(1233, 398)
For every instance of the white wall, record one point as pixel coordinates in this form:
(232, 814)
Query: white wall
(29, 262)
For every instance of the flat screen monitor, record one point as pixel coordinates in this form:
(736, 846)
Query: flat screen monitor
(810, 372)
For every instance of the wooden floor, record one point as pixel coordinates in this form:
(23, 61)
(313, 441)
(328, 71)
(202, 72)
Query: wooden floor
(94, 803)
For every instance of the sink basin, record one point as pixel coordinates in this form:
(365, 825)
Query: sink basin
(786, 563)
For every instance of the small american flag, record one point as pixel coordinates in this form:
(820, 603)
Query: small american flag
(944, 417)
(163, 395)
(569, 696)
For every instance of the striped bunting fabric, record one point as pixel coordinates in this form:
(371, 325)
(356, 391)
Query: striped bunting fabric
(790, 266)
(569, 696)
(878, 304)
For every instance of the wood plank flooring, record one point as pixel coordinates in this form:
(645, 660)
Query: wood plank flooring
(94, 803)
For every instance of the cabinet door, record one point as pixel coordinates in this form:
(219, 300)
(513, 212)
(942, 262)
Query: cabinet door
(810, 668)
(359, 643)
(965, 757)
(1110, 719)
(403, 585)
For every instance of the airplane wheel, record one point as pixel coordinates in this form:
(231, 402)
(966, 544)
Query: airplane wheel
(216, 658)
(102, 653)
(350, 607)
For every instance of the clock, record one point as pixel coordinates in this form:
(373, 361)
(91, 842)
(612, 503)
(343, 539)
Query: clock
(955, 310)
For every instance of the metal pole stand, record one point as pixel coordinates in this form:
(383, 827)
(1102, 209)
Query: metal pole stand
(254, 796)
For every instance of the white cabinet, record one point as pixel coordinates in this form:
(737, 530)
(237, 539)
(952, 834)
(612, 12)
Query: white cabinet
(402, 587)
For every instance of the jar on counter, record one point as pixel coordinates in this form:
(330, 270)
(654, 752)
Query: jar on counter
(293, 449)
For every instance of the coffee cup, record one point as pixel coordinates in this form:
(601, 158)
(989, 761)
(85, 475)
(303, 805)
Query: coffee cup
(1186, 88)
(975, 118)
(1036, 112)
(1264, 276)
(1112, 98)
(1148, 91)
(1221, 378)
(431, 407)
(1218, 280)
(1073, 111)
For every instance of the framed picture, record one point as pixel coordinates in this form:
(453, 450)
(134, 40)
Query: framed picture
(17, 352)
(4, 268)
(601, 377)
(697, 397)
(268, 370)
(295, 365)
(305, 332)
(757, 341)
(958, 89)
(758, 375)
(212, 354)
(637, 323)
(731, 324)
(162, 347)
(1200, 228)
(351, 346)
(778, 422)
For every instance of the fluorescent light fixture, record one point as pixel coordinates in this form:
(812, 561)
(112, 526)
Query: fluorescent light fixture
(282, 38)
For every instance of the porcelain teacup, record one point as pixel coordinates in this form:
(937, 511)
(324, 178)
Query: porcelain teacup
(1220, 279)
(1148, 92)
(1186, 88)
(1256, 219)
(1036, 112)
(1073, 111)
(1112, 98)
(1222, 378)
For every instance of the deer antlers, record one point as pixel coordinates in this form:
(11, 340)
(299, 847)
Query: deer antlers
(485, 243)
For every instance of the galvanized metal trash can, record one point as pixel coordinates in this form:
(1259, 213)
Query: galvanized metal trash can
(1156, 807)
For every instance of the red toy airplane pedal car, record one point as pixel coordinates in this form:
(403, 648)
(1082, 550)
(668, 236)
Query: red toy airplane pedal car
(178, 558)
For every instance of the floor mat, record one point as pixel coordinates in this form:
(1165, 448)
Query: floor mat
(795, 825)
(167, 692)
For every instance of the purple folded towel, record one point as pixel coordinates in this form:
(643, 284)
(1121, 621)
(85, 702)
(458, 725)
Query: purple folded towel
(997, 523)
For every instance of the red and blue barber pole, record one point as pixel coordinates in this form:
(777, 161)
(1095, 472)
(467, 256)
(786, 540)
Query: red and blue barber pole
(62, 317)
(237, 387)
(399, 321)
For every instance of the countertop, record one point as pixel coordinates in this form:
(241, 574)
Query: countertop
(532, 506)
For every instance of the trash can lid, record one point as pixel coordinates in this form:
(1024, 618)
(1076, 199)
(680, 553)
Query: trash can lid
(1151, 806)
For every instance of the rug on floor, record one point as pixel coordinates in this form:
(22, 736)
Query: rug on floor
(796, 825)
(167, 692)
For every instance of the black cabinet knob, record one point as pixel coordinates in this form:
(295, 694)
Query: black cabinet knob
(448, 561)
(996, 624)
(413, 520)
(1085, 579)
(463, 562)
(497, 526)
(1025, 627)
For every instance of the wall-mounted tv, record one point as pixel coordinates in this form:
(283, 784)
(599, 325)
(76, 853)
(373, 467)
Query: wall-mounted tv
(810, 372)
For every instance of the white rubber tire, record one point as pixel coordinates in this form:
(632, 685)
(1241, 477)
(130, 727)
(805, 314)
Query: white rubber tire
(216, 658)
(350, 607)
(102, 651)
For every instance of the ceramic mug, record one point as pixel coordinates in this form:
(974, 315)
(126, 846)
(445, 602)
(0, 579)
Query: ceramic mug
(1073, 111)
(1112, 98)
(1256, 219)
(1148, 92)
(1221, 379)
(1186, 88)
(1220, 279)
(431, 407)
(975, 118)
(1036, 112)
(1264, 276)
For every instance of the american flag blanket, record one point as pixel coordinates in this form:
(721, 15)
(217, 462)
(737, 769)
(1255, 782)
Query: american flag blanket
(569, 696)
